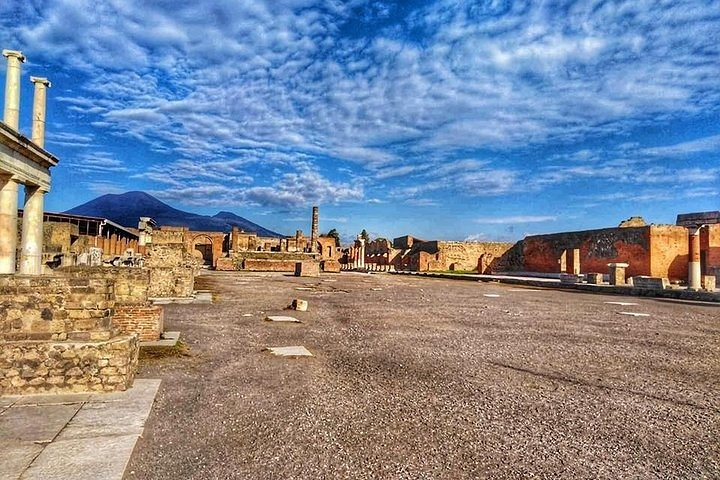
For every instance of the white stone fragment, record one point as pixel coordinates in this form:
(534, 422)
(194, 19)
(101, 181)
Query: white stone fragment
(624, 304)
(491, 295)
(281, 318)
(296, 351)
(635, 314)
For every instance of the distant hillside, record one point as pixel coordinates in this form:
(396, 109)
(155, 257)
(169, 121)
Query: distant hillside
(127, 208)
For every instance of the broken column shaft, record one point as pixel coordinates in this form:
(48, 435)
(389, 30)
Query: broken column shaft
(314, 230)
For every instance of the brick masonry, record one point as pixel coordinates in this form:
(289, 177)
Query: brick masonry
(144, 321)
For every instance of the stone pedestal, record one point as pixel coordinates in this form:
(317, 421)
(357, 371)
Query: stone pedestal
(595, 278)
(708, 282)
(617, 273)
(307, 269)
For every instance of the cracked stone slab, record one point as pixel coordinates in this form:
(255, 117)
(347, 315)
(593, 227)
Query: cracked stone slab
(295, 351)
(635, 314)
(169, 339)
(88, 459)
(40, 423)
(16, 457)
(282, 319)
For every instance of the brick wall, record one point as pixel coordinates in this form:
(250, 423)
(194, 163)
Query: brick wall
(28, 367)
(145, 321)
(669, 252)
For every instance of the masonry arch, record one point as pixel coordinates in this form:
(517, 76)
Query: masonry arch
(204, 245)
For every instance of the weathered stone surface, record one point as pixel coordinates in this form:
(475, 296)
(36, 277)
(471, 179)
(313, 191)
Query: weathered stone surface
(617, 273)
(330, 266)
(709, 282)
(571, 278)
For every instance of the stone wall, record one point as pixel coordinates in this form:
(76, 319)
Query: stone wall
(56, 308)
(172, 271)
(669, 252)
(263, 265)
(131, 284)
(28, 367)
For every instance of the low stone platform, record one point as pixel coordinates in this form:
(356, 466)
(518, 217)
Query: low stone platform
(77, 436)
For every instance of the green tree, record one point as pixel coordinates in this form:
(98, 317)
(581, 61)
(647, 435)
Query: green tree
(365, 235)
(334, 233)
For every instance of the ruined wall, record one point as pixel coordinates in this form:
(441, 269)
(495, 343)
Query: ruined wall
(327, 248)
(169, 235)
(265, 265)
(668, 252)
(465, 255)
(172, 271)
(597, 249)
(28, 367)
(133, 312)
(56, 308)
(131, 284)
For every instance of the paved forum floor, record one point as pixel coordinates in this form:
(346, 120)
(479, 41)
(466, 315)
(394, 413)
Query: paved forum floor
(426, 378)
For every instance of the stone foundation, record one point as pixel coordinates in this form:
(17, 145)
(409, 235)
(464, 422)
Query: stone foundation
(307, 269)
(145, 321)
(261, 265)
(28, 367)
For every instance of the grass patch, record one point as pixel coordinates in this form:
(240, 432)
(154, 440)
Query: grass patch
(181, 349)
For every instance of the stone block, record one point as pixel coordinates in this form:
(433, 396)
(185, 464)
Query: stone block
(651, 283)
(617, 273)
(307, 269)
(595, 278)
(299, 305)
(571, 278)
(708, 282)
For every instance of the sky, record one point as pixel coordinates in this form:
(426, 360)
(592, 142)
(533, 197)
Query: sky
(443, 119)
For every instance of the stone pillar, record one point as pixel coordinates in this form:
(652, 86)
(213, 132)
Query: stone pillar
(617, 273)
(314, 231)
(298, 235)
(31, 247)
(11, 115)
(8, 223)
(361, 253)
(694, 273)
(576, 261)
(38, 117)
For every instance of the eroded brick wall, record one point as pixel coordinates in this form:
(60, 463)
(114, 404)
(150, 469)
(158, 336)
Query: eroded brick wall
(669, 252)
(28, 367)
(597, 249)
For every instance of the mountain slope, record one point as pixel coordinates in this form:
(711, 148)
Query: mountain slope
(126, 209)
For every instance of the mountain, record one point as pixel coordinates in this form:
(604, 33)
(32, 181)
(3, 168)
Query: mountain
(127, 208)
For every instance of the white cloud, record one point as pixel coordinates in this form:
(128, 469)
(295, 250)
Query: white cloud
(516, 219)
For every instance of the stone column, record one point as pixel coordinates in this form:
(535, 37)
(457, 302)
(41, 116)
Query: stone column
(314, 231)
(31, 247)
(694, 272)
(8, 223)
(298, 234)
(617, 273)
(38, 118)
(361, 253)
(11, 115)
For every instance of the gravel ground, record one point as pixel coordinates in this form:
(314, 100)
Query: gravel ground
(429, 378)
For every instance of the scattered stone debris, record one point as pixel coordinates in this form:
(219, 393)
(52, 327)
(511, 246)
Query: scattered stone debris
(635, 314)
(295, 351)
(299, 305)
(376, 289)
(281, 318)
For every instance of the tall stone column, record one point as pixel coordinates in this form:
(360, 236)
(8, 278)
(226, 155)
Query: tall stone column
(31, 247)
(11, 115)
(361, 253)
(314, 230)
(694, 272)
(8, 223)
(38, 118)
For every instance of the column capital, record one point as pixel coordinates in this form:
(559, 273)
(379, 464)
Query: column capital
(14, 53)
(41, 80)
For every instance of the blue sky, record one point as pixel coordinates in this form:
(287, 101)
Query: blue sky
(443, 119)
